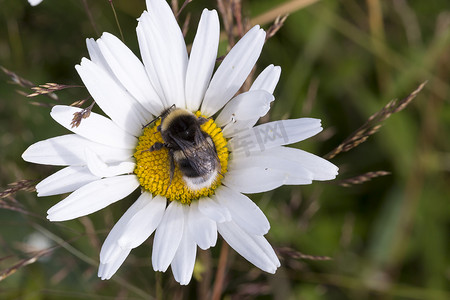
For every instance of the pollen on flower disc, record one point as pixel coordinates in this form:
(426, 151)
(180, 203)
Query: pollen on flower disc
(153, 167)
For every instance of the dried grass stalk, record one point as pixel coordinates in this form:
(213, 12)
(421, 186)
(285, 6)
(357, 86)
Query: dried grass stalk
(83, 114)
(360, 178)
(49, 88)
(373, 124)
(16, 79)
(21, 185)
(24, 262)
(277, 24)
(286, 252)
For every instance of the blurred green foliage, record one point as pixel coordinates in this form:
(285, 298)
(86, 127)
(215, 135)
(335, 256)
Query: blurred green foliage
(341, 62)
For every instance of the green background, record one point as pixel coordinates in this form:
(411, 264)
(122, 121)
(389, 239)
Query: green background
(341, 61)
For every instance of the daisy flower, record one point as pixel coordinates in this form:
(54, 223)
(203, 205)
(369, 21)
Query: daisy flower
(107, 158)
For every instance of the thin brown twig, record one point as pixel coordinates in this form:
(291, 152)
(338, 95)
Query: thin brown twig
(288, 7)
(90, 17)
(269, 16)
(24, 262)
(186, 24)
(225, 11)
(286, 252)
(6, 257)
(174, 6)
(221, 271)
(206, 273)
(253, 290)
(90, 232)
(410, 23)
(117, 19)
(311, 96)
(277, 24)
(177, 13)
(360, 178)
(237, 12)
(4, 205)
(373, 124)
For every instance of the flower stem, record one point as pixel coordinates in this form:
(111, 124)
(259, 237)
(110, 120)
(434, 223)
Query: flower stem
(221, 271)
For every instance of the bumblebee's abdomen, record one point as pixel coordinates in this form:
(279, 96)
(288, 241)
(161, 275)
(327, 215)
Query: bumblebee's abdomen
(199, 167)
(187, 169)
(197, 163)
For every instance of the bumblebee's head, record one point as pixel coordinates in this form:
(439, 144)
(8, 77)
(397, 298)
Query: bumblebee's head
(180, 123)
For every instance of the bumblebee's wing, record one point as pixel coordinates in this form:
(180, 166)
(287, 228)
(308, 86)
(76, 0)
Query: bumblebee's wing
(201, 154)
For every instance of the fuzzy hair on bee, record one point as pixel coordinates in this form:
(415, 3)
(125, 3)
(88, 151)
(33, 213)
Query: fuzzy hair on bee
(190, 148)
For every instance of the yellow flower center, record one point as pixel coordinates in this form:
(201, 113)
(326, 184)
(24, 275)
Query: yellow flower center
(153, 167)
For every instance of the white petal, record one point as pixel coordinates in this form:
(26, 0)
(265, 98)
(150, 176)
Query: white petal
(133, 228)
(94, 53)
(93, 197)
(122, 228)
(168, 237)
(144, 46)
(202, 59)
(233, 71)
(213, 209)
(270, 160)
(127, 113)
(267, 181)
(244, 212)
(267, 80)
(254, 249)
(130, 72)
(164, 45)
(184, 259)
(246, 106)
(202, 229)
(95, 128)
(107, 270)
(260, 173)
(34, 2)
(264, 245)
(100, 169)
(69, 150)
(64, 181)
(274, 134)
(143, 223)
(233, 129)
(320, 168)
(97, 57)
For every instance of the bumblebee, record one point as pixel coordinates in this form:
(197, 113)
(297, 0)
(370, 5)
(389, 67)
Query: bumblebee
(190, 148)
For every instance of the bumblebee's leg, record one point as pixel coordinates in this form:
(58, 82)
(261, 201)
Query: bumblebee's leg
(202, 120)
(155, 147)
(172, 167)
(149, 123)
